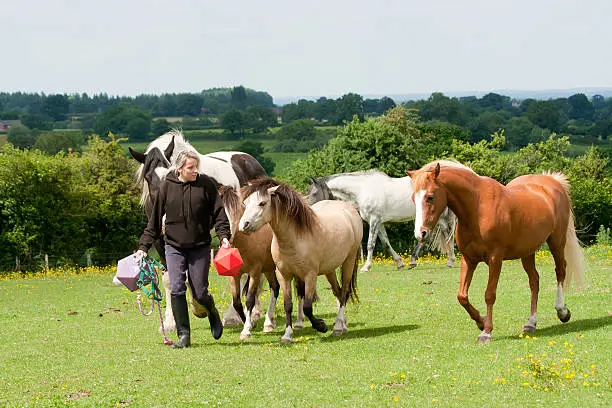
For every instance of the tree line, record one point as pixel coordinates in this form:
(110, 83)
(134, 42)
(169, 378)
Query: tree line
(72, 205)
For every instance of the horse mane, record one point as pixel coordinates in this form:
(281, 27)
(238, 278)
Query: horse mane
(419, 179)
(180, 144)
(295, 208)
(231, 200)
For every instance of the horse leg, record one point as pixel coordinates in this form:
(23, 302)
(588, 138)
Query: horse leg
(557, 251)
(270, 322)
(286, 286)
(256, 314)
(231, 316)
(415, 255)
(169, 323)
(310, 281)
(340, 319)
(382, 233)
(534, 286)
(250, 303)
(449, 249)
(495, 264)
(301, 290)
(465, 280)
(373, 233)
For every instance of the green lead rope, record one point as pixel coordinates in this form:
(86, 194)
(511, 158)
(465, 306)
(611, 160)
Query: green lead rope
(148, 275)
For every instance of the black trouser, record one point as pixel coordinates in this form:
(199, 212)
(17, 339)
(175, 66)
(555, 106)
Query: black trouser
(193, 263)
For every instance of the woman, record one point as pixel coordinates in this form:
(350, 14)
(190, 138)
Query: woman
(192, 206)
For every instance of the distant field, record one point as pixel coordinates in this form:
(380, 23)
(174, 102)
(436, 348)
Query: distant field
(2, 139)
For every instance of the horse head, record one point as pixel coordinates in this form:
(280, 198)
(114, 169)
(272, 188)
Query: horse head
(430, 199)
(155, 164)
(258, 204)
(319, 191)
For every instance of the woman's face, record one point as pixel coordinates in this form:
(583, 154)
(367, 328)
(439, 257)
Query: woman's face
(189, 171)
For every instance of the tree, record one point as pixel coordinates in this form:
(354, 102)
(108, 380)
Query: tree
(581, 107)
(54, 142)
(189, 104)
(544, 114)
(160, 127)
(260, 118)
(234, 122)
(124, 119)
(21, 136)
(349, 105)
(37, 121)
(239, 97)
(56, 107)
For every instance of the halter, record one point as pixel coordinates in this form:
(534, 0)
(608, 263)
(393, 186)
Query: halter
(148, 276)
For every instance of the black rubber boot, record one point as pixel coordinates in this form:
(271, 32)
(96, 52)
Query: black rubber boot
(216, 327)
(181, 317)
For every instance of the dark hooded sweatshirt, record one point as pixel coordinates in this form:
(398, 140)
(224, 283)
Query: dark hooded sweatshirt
(192, 209)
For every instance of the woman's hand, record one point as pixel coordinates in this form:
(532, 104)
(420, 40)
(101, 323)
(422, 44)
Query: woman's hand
(140, 254)
(225, 243)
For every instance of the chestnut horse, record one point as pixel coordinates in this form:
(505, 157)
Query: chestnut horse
(307, 242)
(257, 259)
(498, 222)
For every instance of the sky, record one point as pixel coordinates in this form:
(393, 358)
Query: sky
(306, 48)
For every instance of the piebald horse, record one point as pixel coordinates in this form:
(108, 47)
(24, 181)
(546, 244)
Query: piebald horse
(233, 169)
(498, 222)
(307, 242)
(381, 199)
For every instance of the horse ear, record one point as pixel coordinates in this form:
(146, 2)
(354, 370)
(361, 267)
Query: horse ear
(411, 173)
(169, 149)
(436, 171)
(272, 190)
(139, 157)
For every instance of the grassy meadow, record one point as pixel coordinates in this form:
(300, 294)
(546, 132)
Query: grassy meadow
(73, 339)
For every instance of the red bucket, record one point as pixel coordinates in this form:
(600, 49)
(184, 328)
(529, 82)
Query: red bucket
(228, 261)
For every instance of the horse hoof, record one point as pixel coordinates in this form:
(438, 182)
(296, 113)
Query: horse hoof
(245, 336)
(450, 265)
(286, 340)
(320, 326)
(412, 265)
(337, 332)
(299, 325)
(232, 322)
(269, 329)
(484, 338)
(564, 315)
(400, 265)
(528, 329)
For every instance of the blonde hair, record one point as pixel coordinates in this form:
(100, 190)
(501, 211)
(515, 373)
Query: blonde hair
(182, 157)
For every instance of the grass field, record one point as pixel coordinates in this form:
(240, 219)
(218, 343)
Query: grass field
(76, 340)
(2, 139)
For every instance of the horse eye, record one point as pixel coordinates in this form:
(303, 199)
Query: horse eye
(262, 204)
(430, 198)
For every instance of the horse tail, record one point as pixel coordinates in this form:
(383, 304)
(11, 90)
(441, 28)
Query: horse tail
(574, 258)
(352, 290)
(445, 231)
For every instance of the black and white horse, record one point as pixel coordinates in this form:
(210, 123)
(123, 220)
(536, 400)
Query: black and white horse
(231, 168)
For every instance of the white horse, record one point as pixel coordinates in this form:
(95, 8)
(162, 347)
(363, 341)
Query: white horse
(233, 169)
(380, 199)
(307, 242)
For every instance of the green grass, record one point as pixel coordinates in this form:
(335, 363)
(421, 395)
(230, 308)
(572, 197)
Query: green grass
(2, 139)
(79, 341)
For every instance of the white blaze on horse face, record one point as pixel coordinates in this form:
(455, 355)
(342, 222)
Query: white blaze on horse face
(256, 213)
(418, 220)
